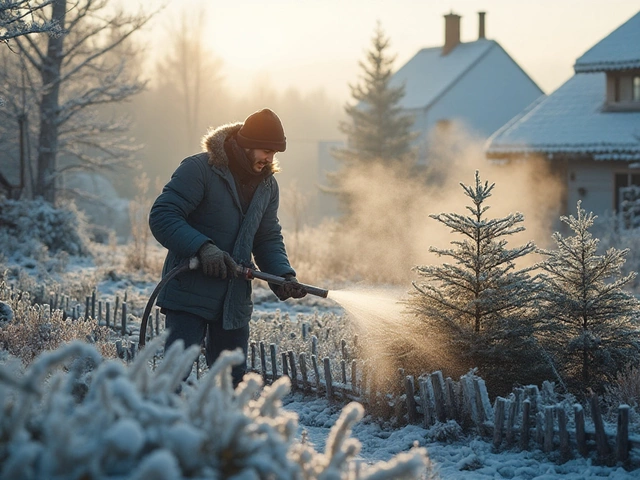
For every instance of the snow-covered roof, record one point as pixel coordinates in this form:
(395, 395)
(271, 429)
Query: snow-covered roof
(429, 74)
(620, 50)
(571, 120)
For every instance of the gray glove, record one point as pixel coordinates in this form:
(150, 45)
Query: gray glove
(289, 289)
(216, 263)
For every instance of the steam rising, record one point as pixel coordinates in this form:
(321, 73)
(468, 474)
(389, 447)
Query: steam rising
(390, 232)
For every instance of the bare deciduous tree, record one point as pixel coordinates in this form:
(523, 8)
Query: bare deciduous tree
(73, 76)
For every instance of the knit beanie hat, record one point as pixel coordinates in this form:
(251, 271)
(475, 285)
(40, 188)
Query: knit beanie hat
(262, 130)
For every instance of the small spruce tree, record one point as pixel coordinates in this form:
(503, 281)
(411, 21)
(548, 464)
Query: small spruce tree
(589, 323)
(378, 157)
(480, 308)
(377, 129)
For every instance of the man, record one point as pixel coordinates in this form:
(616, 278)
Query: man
(222, 205)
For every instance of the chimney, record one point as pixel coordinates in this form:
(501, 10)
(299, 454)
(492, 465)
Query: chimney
(481, 34)
(451, 32)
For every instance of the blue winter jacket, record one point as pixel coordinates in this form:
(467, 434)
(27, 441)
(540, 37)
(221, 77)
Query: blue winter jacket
(200, 203)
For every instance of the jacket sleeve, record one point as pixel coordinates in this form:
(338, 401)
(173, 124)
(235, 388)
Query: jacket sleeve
(268, 245)
(169, 213)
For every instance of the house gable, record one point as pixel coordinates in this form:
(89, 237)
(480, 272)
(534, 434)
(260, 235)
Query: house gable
(429, 74)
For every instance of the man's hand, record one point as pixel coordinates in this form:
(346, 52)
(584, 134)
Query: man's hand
(216, 263)
(289, 289)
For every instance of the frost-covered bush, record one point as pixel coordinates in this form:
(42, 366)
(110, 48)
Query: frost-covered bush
(6, 313)
(329, 330)
(34, 329)
(608, 229)
(36, 229)
(447, 432)
(626, 388)
(130, 423)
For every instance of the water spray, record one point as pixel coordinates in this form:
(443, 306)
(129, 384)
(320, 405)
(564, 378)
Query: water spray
(193, 264)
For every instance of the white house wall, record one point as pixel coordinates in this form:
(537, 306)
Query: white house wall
(594, 184)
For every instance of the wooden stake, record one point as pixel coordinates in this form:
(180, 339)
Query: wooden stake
(498, 422)
(581, 437)
(409, 388)
(302, 358)
(263, 361)
(327, 377)
(622, 434)
(548, 429)
(524, 428)
(601, 438)
(294, 371)
(274, 362)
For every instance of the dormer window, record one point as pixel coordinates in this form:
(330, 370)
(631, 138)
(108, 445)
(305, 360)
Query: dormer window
(623, 90)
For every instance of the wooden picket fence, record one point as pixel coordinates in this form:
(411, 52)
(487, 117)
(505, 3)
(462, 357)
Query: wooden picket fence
(115, 316)
(527, 419)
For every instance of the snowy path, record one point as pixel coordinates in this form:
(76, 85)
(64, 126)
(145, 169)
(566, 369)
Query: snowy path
(466, 459)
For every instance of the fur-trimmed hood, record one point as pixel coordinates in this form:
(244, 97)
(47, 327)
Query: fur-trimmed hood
(213, 144)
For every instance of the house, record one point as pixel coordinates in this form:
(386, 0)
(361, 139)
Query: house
(588, 130)
(473, 83)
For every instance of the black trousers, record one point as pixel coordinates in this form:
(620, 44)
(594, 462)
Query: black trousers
(194, 330)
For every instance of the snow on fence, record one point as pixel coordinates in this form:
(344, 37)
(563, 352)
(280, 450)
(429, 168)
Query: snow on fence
(524, 420)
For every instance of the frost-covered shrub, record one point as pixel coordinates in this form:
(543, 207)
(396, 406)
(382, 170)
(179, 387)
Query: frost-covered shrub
(35, 229)
(35, 329)
(287, 334)
(131, 423)
(6, 313)
(608, 229)
(42, 286)
(626, 388)
(444, 432)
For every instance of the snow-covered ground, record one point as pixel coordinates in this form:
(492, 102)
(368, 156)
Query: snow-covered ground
(469, 459)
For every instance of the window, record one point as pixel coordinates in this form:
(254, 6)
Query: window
(623, 90)
(622, 182)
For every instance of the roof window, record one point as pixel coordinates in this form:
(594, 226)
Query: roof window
(623, 90)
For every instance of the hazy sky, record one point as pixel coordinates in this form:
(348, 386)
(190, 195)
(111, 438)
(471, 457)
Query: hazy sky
(312, 44)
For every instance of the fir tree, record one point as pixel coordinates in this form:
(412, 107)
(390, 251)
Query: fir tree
(377, 128)
(590, 324)
(480, 308)
(379, 135)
